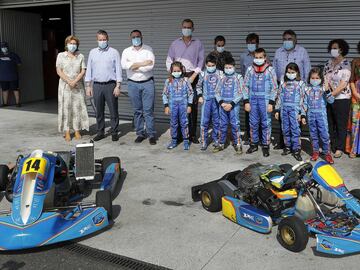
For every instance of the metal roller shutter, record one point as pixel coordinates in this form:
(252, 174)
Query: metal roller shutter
(315, 22)
(30, 3)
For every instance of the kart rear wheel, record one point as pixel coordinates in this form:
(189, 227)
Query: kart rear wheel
(355, 193)
(107, 161)
(292, 234)
(211, 196)
(103, 199)
(4, 176)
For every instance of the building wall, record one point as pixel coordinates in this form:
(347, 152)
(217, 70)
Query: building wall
(315, 22)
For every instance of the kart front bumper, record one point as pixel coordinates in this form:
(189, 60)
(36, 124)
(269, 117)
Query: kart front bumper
(339, 245)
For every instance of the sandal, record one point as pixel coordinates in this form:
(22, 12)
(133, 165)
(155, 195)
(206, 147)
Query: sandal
(352, 155)
(338, 154)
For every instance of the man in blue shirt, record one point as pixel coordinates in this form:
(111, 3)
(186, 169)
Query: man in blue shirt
(290, 52)
(9, 79)
(103, 81)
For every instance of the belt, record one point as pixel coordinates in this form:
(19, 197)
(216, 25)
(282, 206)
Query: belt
(144, 81)
(103, 83)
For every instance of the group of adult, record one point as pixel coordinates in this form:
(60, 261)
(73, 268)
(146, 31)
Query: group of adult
(103, 78)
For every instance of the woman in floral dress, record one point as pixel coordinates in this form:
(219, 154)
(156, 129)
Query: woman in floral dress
(70, 66)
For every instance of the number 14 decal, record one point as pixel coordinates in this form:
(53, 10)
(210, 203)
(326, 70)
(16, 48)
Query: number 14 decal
(34, 165)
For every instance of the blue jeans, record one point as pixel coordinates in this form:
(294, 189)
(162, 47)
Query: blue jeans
(142, 99)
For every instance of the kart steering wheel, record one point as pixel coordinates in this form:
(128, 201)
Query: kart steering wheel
(302, 168)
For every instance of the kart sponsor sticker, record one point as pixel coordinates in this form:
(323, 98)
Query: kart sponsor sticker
(98, 219)
(34, 165)
(326, 244)
(86, 228)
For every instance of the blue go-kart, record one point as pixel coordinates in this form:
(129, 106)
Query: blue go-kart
(46, 191)
(302, 200)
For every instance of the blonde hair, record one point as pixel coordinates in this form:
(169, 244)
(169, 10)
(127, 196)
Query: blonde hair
(70, 38)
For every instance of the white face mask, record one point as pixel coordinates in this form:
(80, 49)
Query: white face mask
(4, 50)
(291, 76)
(259, 62)
(334, 53)
(71, 47)
(220, 49)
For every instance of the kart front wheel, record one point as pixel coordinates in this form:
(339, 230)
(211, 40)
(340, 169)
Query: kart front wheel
(355, 193)
(292, 234)
(211, 196)
(103, 199)
(4, 176)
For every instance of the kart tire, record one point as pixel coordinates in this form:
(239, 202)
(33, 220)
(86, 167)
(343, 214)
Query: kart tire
(4, 176)
(292, 234)
(103, 199)
(355, 193)
(211, 196)
(107, 161)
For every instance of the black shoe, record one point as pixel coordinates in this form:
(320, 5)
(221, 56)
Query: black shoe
(152, 141)
(4, 105)
(279, 146)
(265, 150)
(253, 148)
(99, 137)
(297, 155)
(115, 137)
(18, 105)
(139, 139)
(286, 151)
(194, 140)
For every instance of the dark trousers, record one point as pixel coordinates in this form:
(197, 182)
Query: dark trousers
(104, 93)
(247, 125)
(194, 112)
(338, 116)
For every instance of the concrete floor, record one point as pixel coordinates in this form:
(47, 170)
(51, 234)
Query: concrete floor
(157, 221)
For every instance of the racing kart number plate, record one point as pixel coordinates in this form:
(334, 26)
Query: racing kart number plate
(34, 165)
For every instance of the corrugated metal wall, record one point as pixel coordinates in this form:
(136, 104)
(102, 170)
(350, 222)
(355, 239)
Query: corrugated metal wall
(29, 3)
(315, 22)
(23, 33)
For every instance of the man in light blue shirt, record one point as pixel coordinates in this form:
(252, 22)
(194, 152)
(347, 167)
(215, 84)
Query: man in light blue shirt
(290, 52)
(103, 81)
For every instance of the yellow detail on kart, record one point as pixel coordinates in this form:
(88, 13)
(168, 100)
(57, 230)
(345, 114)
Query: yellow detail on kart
(290, 193)
(330, 176)
(34, 165)
(228, 209)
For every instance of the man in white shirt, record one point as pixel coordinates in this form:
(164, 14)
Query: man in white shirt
(138, 60)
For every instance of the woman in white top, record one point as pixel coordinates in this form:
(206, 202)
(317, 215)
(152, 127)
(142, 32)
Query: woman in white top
(337, 73)
(70, 66)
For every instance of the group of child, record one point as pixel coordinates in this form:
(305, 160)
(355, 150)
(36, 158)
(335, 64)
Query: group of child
(220, 93)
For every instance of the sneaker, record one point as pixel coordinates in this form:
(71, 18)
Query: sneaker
(253, 148)
(315, 156)
(286, 151)
(297, 155)
(99, 137)
(329, 159)
(203, 147)
(139, 139)
(238, 149)
(172, 144)
(152, 141)
(218, 148)
(186, 145)
(279, 146)
(265, 150)
(215, 144)
(114, 137)
(18, 105)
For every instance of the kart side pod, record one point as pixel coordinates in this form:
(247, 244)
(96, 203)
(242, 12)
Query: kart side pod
(246, 215)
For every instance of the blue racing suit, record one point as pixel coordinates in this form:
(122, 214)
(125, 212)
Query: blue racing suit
(260, 91)
(230, 89)
(315, 103)
(210, 109)
(178, 95)
(291, 105)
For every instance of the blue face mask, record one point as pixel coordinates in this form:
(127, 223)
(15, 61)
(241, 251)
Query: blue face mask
(315, 82)
(220, 49)
(71, 47)
(229, 71)
(186, 32)
(259, 62)
(211, 69)
(288, 44)
(291, 76)
(251, 47)
(102, 44)
(136, 41)
(176, 74)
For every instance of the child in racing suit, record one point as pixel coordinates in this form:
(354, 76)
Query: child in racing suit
(177, 98)
(290, 103)
(205, 88)
(229, 91)
(259, 99)
(316, 99)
